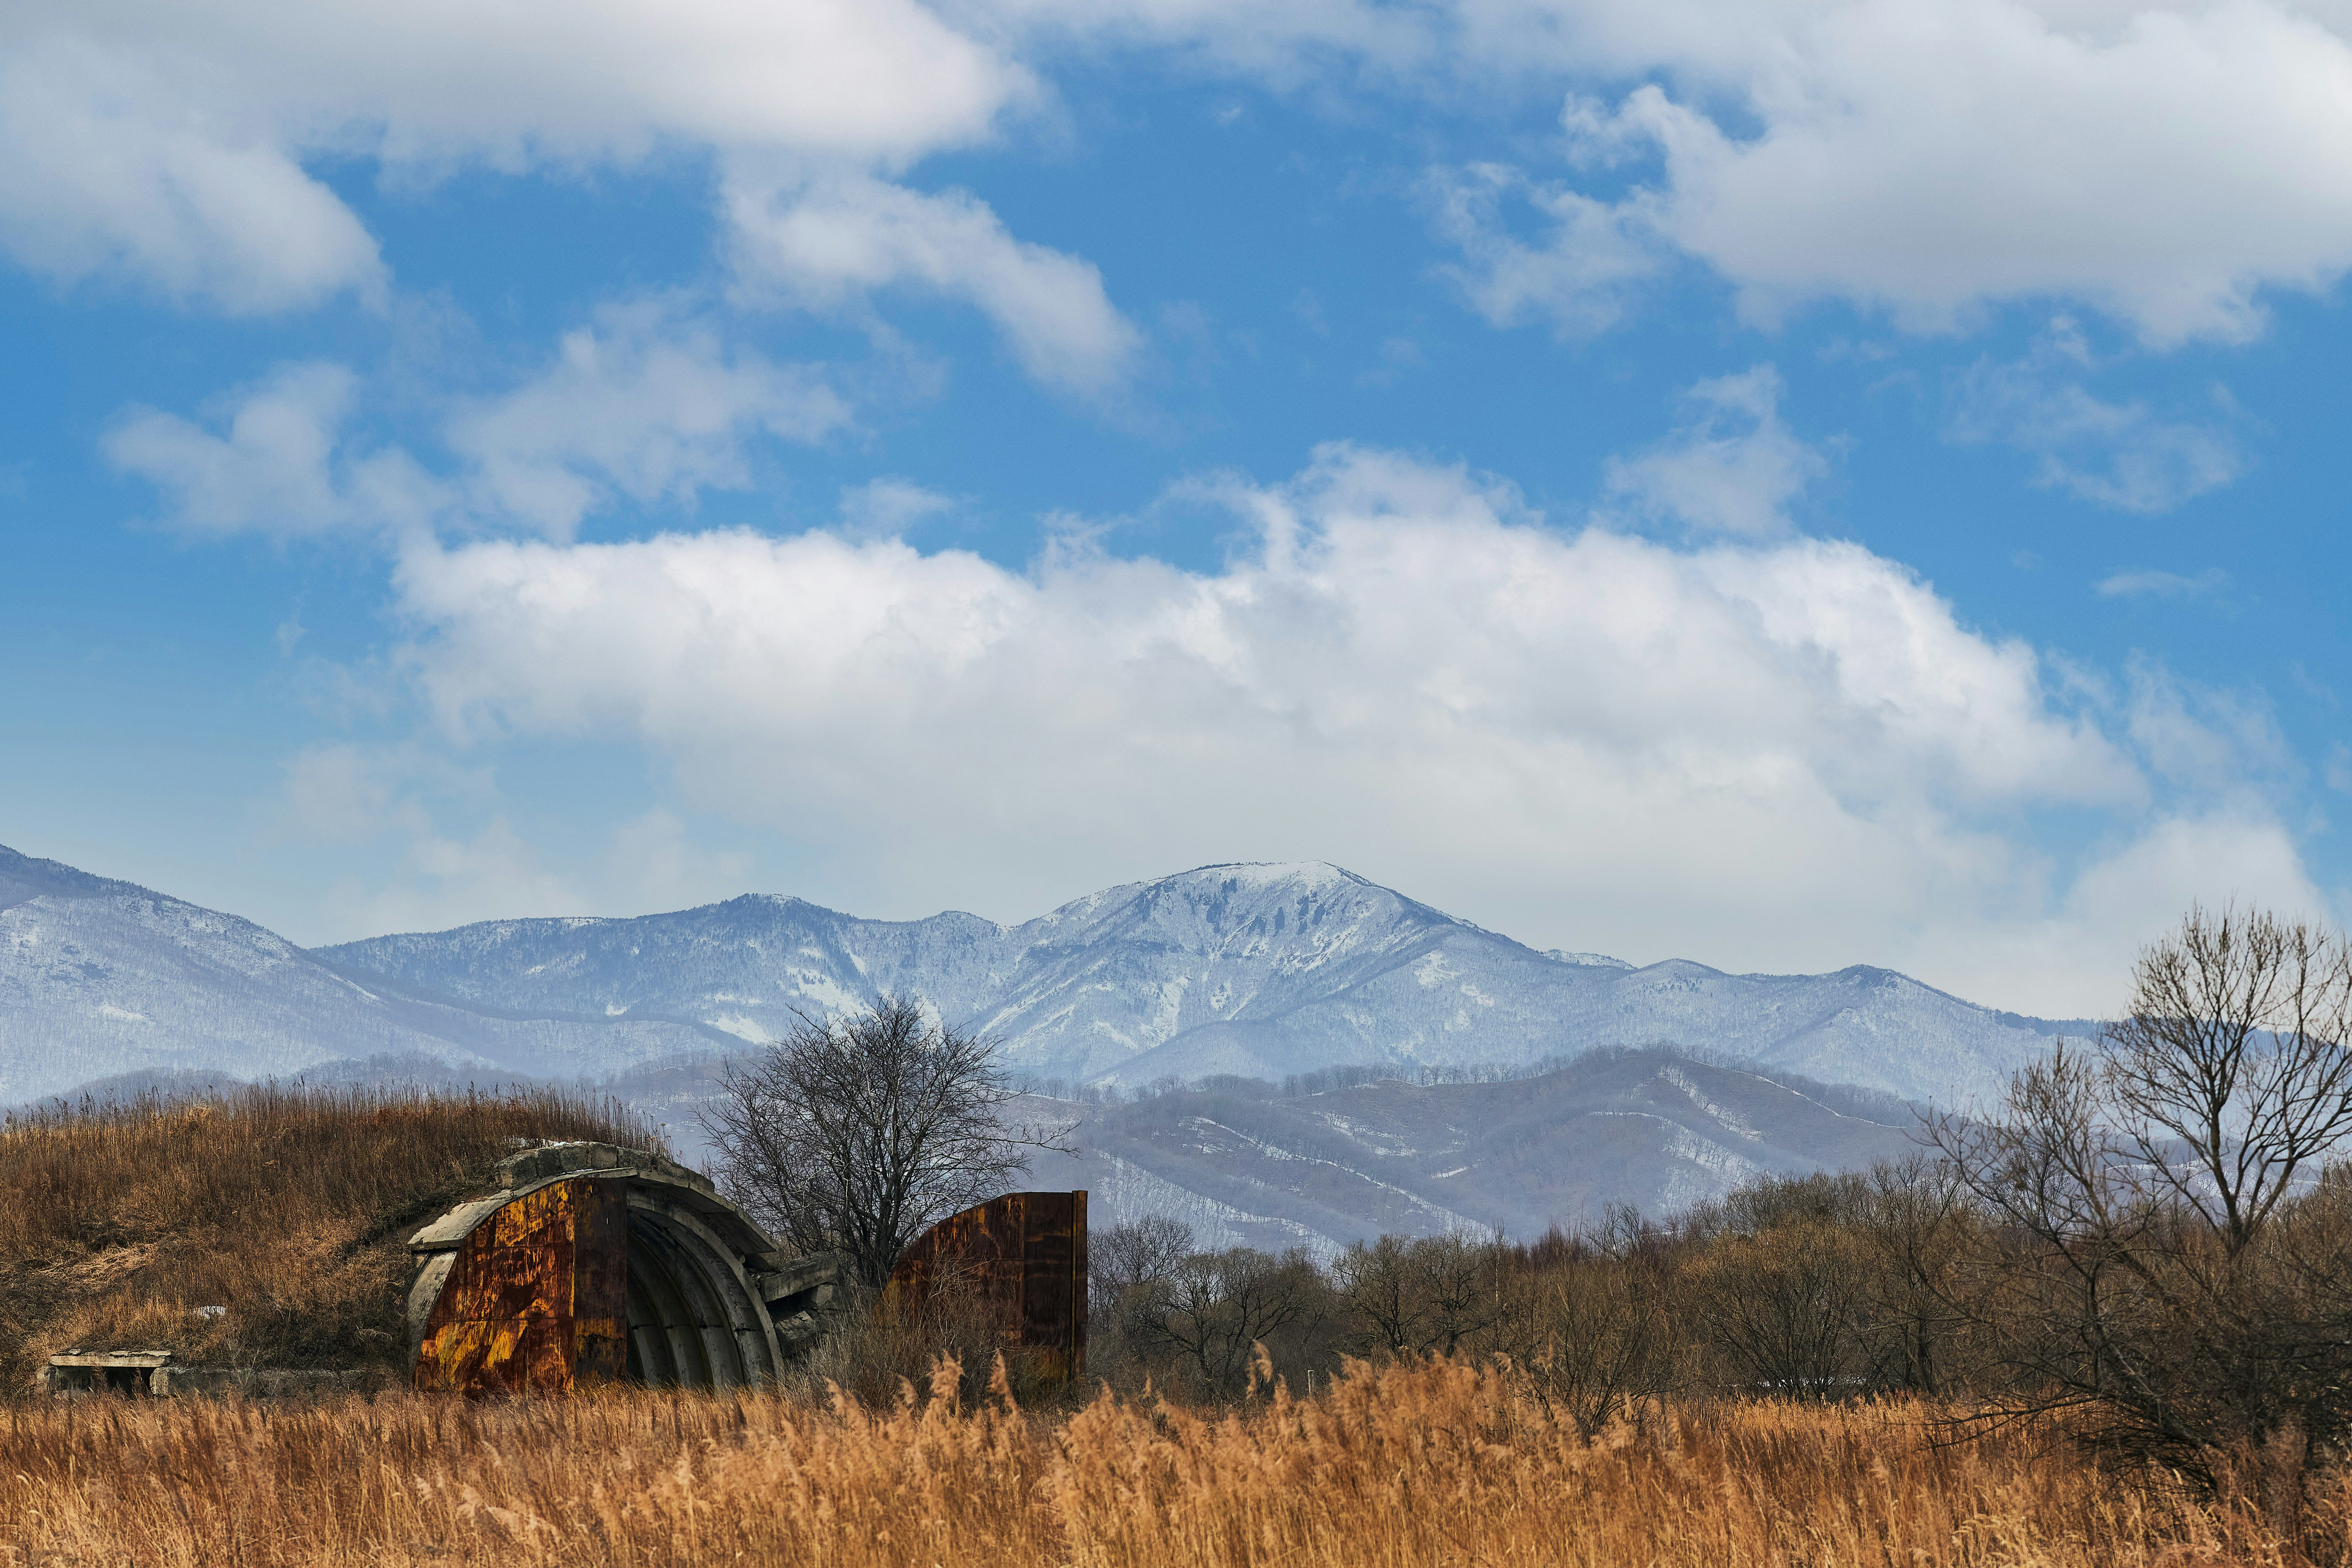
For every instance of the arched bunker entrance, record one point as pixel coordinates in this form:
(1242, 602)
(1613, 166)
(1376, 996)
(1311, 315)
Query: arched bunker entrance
(601, 1264)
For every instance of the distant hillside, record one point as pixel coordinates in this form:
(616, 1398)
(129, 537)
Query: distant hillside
(1648, 1128)
(1260, 971)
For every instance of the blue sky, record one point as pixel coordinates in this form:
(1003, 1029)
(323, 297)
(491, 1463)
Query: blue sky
(1783, 485)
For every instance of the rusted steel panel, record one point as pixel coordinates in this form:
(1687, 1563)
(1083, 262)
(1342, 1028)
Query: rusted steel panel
(1021, 1257)
(535, 1297)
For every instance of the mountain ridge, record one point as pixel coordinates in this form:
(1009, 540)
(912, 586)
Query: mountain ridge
(1214, 1003)
(1252, 968)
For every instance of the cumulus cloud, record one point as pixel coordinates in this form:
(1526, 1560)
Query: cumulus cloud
(830, 243)
(2164, 164)
(2120, 454)
(278, 465)
(1733, 469)
(170, 144)
(644, 405)
(1773, 755)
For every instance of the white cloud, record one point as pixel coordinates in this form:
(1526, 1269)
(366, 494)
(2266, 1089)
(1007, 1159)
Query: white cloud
(2117, 454)
(279, 464)
(1772, 757)
(641, 404)
(1584, 274)
(269, 470)
(444, 882)
(401, 795)
(887, 507)
(2161, 585)
(104, 171)
(829, 243)
(1734, 469)
(2218, 741)
(2165, 165)
(169, 143)
(644, 406)
(443, 878)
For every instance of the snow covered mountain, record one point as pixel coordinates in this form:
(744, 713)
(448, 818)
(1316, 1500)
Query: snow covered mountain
(99, 978)
(1253, 970)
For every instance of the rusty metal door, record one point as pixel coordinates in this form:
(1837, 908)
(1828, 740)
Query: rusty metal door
(537, 1297)
(1022, 1258)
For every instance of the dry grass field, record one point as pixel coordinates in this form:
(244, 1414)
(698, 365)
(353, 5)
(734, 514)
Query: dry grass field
(1381, 1468)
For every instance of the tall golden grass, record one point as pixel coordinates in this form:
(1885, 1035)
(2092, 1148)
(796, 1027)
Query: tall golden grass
(1381, 1468)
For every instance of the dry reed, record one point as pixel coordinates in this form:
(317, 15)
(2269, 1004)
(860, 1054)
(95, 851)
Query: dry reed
(1382, 1468)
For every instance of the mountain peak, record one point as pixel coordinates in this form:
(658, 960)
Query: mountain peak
(1315, 874)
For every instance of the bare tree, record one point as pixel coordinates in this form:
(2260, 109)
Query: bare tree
(1213, 1309)
(2231, 1071)
(859, 1133)
(1919, 1231)
(1420, 1295)
(1784, 1308)
(2151, 1264)
(1133, 1255)
(1376, 1284)
(1599, 1341)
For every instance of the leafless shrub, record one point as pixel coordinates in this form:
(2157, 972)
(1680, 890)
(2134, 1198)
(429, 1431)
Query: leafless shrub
(1211, 1311)
(1599, 1340)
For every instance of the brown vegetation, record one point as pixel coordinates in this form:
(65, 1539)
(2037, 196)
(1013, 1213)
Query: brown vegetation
(289, 1209)
(1407, 1464)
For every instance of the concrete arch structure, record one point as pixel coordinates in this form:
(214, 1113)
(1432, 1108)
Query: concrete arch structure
(599, 1264)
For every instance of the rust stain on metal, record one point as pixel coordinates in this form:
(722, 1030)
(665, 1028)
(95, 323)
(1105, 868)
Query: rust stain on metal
(1022, 1257)
(537, 1297)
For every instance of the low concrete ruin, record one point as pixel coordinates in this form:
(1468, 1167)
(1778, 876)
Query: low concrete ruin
(132, 1373)
(78, 1373)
